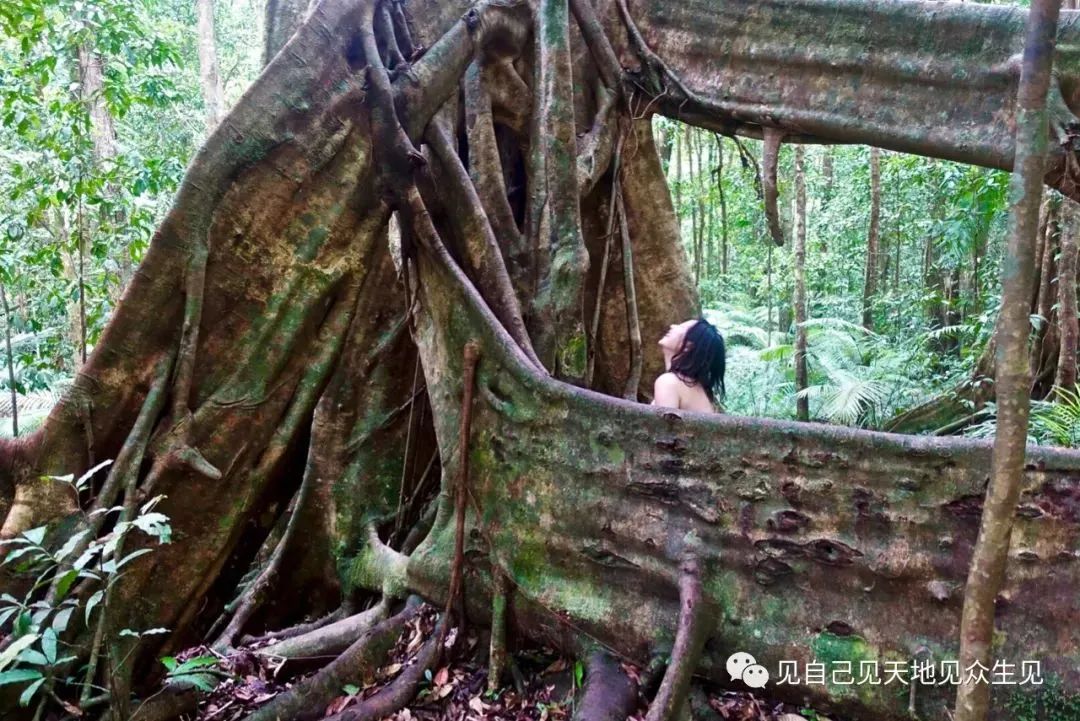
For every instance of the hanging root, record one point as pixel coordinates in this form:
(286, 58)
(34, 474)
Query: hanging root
(610, 694)
(472, 356)
(633, 324)
(308, 699)
(402, 690)
(256, 593)
(689, 642)
(770, 156)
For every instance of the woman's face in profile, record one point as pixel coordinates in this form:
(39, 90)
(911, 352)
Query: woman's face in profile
(673, 339)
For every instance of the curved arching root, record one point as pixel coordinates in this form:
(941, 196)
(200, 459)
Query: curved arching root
(401, 690)
(689, 640)
(333, 638)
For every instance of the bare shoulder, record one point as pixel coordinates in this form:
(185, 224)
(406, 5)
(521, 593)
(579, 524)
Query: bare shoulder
(668, 381)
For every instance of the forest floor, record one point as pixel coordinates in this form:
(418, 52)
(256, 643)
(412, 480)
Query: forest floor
(545, 687)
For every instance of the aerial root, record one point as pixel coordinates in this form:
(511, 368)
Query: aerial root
(455, 592)
(257, 591)
(689, 642)
(332, 638)
(307, 700)
(610, 694)
(770, 156)
(486, 256)
(633, 324)
(394, 697)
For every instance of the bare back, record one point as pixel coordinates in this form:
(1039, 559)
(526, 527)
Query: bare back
(673, 392)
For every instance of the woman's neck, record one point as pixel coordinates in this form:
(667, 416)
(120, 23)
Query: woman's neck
(668, 355)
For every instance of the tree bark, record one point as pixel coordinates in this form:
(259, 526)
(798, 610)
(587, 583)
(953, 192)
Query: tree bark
(802, 403)
(1012, 375)
(209, 80)
(282, 18)
(1065, 378)
(873, 239)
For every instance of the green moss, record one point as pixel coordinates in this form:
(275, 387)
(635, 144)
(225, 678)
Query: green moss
(573, 356)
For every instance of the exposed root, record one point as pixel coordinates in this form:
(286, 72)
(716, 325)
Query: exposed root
(597, 41)
(609, 233)
(486, 171)
(257, 591)
(330, 639)
(402, 690)
(554, 219)
(610, 694)
(689, 641)
(500, 595)
(485, 257)
(299, 629)
(308, 699)
(770, 155)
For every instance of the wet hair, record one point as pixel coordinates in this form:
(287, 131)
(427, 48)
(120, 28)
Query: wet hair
(701, 358)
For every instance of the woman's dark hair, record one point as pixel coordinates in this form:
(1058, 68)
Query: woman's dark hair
(701, 358)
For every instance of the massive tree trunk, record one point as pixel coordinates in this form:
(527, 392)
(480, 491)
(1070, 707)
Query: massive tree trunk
(330, 235)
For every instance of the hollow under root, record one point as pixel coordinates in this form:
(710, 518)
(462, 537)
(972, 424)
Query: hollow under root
(609, 694)
(307, 700)
(331, 638)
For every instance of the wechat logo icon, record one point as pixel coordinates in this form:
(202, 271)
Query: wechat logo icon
(744, 667)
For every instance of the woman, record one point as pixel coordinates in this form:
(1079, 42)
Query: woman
(694, 361)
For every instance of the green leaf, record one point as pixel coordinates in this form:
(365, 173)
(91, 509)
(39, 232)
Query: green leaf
(94, 600)
(18, 675)
(48, 645)
(60, 622)
(28, 694)
(35, 535)
(12, 651)
(63, 583)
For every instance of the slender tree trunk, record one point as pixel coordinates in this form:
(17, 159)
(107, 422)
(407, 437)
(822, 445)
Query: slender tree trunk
(1012, 374)
(10, 361)
(723, 204)
(870, 277)
(1066, 365)
(699, 187)
(209, 79)
(827, 171)
(802, 403)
